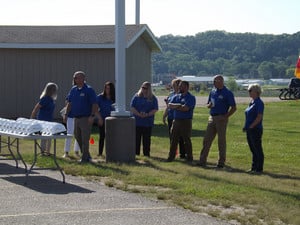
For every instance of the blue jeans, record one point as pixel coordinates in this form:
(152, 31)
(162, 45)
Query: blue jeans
(254, 141)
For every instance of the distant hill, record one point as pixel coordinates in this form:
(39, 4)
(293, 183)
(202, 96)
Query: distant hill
(243, 55)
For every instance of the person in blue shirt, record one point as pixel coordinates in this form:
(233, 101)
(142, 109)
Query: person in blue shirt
(222, 105)
(44, 109)
(169, 115)
(106, 101)
(183, 105)
(82, 102)
(144, 105)
(254, 128)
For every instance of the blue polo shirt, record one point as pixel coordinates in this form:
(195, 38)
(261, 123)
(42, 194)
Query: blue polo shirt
(255, 107)
(145, 105)
(105, 106)
(189, 100)
(82, 100)
(170, 111)
(46, 111)
(223, 99)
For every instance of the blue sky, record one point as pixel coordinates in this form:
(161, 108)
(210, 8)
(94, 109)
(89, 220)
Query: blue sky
(177, 17)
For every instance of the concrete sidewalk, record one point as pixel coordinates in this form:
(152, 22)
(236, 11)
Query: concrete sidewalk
(46, 200)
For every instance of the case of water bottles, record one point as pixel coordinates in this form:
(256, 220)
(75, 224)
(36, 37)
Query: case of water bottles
(26, 127)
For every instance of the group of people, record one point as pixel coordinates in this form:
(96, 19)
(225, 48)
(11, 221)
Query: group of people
(221, 104)
(84, 108)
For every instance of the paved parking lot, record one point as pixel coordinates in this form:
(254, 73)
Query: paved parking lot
(46, 200)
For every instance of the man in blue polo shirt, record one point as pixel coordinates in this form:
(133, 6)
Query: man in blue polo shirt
(82, 101)
(183, 105)
(222, 105)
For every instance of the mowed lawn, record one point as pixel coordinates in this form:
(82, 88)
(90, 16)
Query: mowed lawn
(230, 193)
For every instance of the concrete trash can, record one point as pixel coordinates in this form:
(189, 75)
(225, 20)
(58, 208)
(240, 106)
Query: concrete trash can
(120, 139)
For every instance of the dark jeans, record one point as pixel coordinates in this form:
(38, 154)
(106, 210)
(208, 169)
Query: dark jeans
(143, 133)
(254, 141)
(181, 142)
(101, 138)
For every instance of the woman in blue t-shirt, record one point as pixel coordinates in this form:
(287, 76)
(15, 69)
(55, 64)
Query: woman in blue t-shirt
(143, 106)
(254, 128)
(44, 109)
(106, 101)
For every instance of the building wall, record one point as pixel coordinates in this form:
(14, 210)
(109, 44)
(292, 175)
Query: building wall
(25, 72)
(138, 67)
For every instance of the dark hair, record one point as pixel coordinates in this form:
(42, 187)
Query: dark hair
(112, 91)
(186, 83)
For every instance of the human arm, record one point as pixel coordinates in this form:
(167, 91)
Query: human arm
(68, 109)
(231, 111)
(257, 120)
(95, 114)
(35, 110)
(137, 113)
(165, 115)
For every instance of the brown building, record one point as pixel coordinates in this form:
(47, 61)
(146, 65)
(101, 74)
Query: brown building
(31, 56)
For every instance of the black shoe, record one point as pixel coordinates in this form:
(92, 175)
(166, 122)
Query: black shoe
(169, 160)
(85, 160)
(201, 164)
(189, 159)
(220, 166)
(182, 156)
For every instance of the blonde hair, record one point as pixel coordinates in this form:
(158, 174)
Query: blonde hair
(50, 90)
(149, 92)
(256, 88)
(175, 81)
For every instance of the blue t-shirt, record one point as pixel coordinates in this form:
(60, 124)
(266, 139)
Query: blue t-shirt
(105, 106)
(222, 99)
(170, 111)
(255, 107)
(189, 100)
(46, 111)
(145, 105)
(82, 100)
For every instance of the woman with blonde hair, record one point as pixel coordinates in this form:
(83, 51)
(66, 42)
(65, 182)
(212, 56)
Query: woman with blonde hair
(254, 128)
(44, 109)
(144, 105)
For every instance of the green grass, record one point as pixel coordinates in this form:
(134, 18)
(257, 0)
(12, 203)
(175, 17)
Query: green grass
(231, 193)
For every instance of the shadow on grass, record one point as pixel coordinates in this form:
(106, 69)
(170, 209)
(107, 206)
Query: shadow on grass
(148, 163)
(208, 177)
(160, 130)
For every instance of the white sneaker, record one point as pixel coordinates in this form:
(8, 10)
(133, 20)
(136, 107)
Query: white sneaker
(66, 155)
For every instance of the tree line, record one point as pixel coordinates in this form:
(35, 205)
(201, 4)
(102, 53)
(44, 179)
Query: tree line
(242, 55)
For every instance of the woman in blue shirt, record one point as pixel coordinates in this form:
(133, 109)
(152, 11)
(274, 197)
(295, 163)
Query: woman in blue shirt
(44, 109)
(106, 101)
(143, 106)
(254, 128)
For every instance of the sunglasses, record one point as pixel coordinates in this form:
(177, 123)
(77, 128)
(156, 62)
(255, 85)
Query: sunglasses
(145, 88)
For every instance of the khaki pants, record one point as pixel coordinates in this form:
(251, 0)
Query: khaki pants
(216, 125)
(82, 132)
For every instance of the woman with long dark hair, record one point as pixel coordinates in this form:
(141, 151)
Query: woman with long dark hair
(106, 100)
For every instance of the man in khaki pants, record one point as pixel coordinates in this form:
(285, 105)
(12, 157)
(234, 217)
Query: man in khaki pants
(222, 105)
(83, 104)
